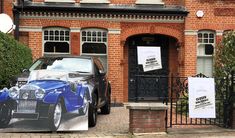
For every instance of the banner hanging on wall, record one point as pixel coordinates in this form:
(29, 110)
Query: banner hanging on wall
(201, 97)
(149, 57)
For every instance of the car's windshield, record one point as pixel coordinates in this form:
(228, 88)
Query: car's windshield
(81, 65)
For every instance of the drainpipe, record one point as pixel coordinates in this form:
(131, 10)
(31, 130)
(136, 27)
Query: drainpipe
(2, 3)
(16, 16)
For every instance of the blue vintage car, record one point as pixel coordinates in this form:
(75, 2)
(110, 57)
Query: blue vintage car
(64, 84)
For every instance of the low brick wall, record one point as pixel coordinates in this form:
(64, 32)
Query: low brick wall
(147, 117)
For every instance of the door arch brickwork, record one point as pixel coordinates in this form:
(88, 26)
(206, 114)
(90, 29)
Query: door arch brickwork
(175, 31)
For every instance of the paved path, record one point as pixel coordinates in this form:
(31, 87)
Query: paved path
(116, 125)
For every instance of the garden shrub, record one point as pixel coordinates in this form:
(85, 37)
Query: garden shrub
(14, 57)
(225, 55)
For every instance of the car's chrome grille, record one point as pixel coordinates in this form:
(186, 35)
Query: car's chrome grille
(27, 94)
(26, 106)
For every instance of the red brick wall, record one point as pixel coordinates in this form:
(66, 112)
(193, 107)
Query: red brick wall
(115, 69)
(35, 43)
(170, 29)
(24, 38)
(190, 56)
(7, 8)
(210, 20)
(75, 43)
(147, 121)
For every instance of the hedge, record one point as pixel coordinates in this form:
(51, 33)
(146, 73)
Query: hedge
(14, 57)
(225, 55)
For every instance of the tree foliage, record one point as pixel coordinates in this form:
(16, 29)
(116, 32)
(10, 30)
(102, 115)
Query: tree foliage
(14, 57)
(225, 55)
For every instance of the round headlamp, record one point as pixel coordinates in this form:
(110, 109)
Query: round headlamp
(13, 92)
(39, 93)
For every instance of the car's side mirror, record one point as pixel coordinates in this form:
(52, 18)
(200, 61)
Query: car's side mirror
(102, 72)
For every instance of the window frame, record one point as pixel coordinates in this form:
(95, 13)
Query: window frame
(201, 43)
(97, 30)
(94, 54)
(54, 29)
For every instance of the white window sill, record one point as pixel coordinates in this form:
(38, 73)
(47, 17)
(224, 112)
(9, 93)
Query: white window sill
(61, 1)
(157, 2)
(95, 1)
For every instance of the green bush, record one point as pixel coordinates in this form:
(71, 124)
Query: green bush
(14, 57)
(225, 55)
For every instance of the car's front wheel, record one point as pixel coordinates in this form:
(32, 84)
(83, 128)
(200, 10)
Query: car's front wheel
(92, 112)
(54, 116)
(5, 114)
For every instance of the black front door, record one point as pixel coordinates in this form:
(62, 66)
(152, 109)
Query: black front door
(151, 85)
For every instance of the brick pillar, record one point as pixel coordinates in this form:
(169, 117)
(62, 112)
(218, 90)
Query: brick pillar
(147, 117)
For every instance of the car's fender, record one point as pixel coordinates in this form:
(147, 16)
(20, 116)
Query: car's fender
(84, 89)
(4, 96)
(52, 97)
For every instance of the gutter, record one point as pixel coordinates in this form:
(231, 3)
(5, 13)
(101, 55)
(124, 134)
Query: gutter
(16, 16)
(2, 3)
(103, 8)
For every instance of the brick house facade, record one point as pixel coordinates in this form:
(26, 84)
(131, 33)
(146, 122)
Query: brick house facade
(186, 30)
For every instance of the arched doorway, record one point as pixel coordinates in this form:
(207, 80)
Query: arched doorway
(145, 85)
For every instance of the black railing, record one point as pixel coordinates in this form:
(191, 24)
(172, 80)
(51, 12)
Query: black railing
(173, 91)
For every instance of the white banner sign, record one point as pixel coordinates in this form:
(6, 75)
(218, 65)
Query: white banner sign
(201, 97)
(149, 57)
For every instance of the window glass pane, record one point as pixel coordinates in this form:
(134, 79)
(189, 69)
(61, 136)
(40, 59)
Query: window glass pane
(89, 33)
(200, 50)
(104, 39)
(62, 33)
(61, 38)
(67, 33)
(205, 66)
(99, 39)
(199, 40)
(94, 39)
(199, 35)
(67, 38)
(56, 32)
(211, 35)
(205, 40)
(104, 34)
(51, 38)
(209, 49)
(62, 47)
(45, 37)
(99, 33)
(83, 33)
(51, 32)
(94, 48)
(45, 32)
(83, 38)
(89, 39)
(93, 33)
(205, 35)
(211, 41)
(56, 38)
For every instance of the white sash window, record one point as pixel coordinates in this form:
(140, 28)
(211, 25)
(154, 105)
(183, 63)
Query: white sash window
(205, 52)
(94, 42)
